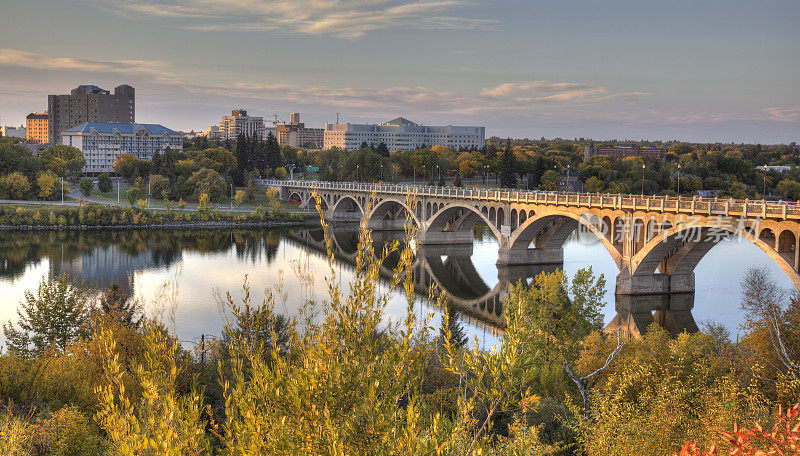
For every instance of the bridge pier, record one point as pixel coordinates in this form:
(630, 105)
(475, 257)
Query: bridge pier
(386, 225)
(508, 257)
(433, 237)
(654, 283)
(635, 314)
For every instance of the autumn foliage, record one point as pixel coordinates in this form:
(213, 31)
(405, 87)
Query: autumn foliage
(782, 439)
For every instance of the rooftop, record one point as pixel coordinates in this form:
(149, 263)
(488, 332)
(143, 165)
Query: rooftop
(123, 128)
(400, 121)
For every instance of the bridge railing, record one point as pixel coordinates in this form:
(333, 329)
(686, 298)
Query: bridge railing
(693, 205)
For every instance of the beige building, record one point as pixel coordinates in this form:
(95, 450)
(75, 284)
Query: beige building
(102, 143)
(36, 128)
(240, 123)
(89, 103)
(295, 134)
(401, 133)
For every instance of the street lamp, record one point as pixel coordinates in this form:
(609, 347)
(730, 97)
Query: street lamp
(231, 196)
(679, 180)
(642, 180)
(568, 179)
(764, 193)
(357, 166)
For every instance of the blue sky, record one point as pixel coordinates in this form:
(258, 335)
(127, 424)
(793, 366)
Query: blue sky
(699, 70)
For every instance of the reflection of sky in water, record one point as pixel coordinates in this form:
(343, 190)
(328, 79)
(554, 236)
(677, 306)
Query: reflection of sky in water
(197, 280)
(294, 277)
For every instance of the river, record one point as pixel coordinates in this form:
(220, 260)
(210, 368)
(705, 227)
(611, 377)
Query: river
(181, 276)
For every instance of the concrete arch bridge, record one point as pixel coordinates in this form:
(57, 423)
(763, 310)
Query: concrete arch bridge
(655, 241)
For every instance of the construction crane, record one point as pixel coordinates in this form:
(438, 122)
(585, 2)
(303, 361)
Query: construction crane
(276, 120)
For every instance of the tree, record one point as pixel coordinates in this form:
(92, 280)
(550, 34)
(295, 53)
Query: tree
(86, 186)
(773, 335)
(382, 150)
(131, 167)
(132, 194)
(15, 157)
(104, 183)
(593, 184)
(280, 173)
(155, 162)
(46, 181)
(550, 180)
(53, 317)
(272, 153)
(64, 161)
(14, 185)
(508, 173)
(207, 181)
(158, 184)
(457, 180)
(451, 327)
(117, 304)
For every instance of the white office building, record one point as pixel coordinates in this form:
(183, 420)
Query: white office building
(240, 123)
(102, 143)
(401, 133)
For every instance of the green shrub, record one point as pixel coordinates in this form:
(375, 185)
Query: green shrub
(132, 194)
(86, 186)
(104, 183)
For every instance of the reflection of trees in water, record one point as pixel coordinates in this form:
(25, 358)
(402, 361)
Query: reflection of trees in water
(256, 246)
(20, 249)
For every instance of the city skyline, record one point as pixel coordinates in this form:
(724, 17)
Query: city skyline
(696, 71)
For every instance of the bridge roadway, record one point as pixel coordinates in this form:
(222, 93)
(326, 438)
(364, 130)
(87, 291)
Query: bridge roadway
(655, 241)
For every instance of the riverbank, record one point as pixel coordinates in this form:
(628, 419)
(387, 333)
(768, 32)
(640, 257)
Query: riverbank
(96, 216)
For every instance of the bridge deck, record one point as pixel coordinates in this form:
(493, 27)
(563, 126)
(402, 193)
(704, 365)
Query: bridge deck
(694, 205)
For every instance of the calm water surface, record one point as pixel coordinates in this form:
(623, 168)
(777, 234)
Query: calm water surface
(181, 276)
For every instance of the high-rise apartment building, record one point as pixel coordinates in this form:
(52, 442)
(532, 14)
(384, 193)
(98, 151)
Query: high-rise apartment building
(240, 123)
(295, 133)
(89, 103)
(401, 133)
(36, 128)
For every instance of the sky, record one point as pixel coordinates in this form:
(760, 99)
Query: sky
(689, 70)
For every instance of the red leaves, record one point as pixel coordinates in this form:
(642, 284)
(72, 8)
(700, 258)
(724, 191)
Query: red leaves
(782, 440)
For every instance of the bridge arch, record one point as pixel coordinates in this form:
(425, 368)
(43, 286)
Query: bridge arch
(561, 224)
(461, 217)
(347, 204)
(383, 209)
(680, 248)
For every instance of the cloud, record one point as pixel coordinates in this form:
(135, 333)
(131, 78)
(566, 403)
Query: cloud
(547, 92)
(154, 68)
(783, 114)
(348, 19)
(159, 82)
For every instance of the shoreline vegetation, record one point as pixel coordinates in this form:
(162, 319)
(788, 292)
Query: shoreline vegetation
(85, 372)
(101, 216)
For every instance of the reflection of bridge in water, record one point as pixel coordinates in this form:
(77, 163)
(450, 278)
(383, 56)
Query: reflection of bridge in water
(451, 269)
